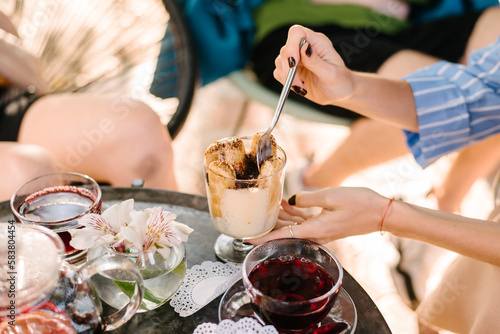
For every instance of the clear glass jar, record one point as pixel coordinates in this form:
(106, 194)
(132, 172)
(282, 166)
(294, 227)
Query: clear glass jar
(162, 277)
(42, 292)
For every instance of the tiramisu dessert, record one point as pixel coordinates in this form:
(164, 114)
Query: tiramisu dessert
(244, 202)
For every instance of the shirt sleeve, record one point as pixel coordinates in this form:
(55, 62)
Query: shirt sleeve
(456, 105)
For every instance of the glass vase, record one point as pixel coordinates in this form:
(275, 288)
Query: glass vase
(162, 277)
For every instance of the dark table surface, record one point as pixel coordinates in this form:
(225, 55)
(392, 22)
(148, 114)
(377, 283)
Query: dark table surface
(193, 211)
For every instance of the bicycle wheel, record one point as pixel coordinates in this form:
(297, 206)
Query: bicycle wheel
(176, 70)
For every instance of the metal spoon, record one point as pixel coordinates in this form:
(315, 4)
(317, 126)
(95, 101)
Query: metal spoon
(264, 143)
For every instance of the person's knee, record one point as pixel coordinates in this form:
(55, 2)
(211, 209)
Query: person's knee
(143, 127)
(149, 146)
(31, 161)
(405, 62)
(493, 10)
(149, 165)
(153, 158)
(21, 163)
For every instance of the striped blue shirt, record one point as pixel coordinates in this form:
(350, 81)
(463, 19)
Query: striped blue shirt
(457, 105)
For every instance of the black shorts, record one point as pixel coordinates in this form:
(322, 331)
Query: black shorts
(14, 102)
(366, 50)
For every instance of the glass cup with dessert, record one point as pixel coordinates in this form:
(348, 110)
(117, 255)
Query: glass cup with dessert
(244, 200)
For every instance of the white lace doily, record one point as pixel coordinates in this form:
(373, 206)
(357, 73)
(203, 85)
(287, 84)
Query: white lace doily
(202, 284)
(242, 326)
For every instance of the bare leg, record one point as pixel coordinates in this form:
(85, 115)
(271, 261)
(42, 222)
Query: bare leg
(370, 142)
(470, 164)
(405, 62)
(424, 329)
(112, 139)
(21, 163)
(486, 31)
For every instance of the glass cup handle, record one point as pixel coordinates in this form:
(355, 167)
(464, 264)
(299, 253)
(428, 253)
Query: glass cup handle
(237, 301)
(117, 265)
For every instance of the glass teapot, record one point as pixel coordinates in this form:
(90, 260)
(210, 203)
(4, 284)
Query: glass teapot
(41, 293)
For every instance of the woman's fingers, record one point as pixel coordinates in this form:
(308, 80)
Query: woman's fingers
(314, 229)
(321, 70)
(283, 215)
(320, 198)
(295, 211)
(346, 211)
(283, 222)
(291, 54)
(283, 232)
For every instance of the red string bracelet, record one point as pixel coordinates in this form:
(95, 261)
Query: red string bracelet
(383, 217)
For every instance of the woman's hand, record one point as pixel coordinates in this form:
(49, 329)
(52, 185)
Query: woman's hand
(322, 77)
(344, 212)
(321, 74)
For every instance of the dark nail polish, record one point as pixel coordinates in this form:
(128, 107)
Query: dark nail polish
(296, 89)
(291, 200)
(309, 50)
(300, 91)
(291, 62)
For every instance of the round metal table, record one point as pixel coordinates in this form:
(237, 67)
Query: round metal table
(193, 211)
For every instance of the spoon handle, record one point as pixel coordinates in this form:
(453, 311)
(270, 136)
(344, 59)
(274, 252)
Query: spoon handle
(285, 90)
(264, 143)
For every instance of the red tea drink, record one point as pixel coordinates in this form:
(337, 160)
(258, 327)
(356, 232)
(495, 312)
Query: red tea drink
(294, 286)
(59, 208)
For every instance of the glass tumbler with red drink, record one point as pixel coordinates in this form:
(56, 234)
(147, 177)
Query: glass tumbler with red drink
(292, 283)
(57, 201)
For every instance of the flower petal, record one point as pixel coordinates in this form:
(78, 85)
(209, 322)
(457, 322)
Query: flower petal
(182, 231)
(84, 238)
(92, 220)
(97, 222)
(139, 224)
(164, 251)
(118, 214)
(168, 216)
(154, 226)
(132, 238)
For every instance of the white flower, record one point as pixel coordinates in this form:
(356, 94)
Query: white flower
(104, 228)
(153, 229)
(121, 227)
